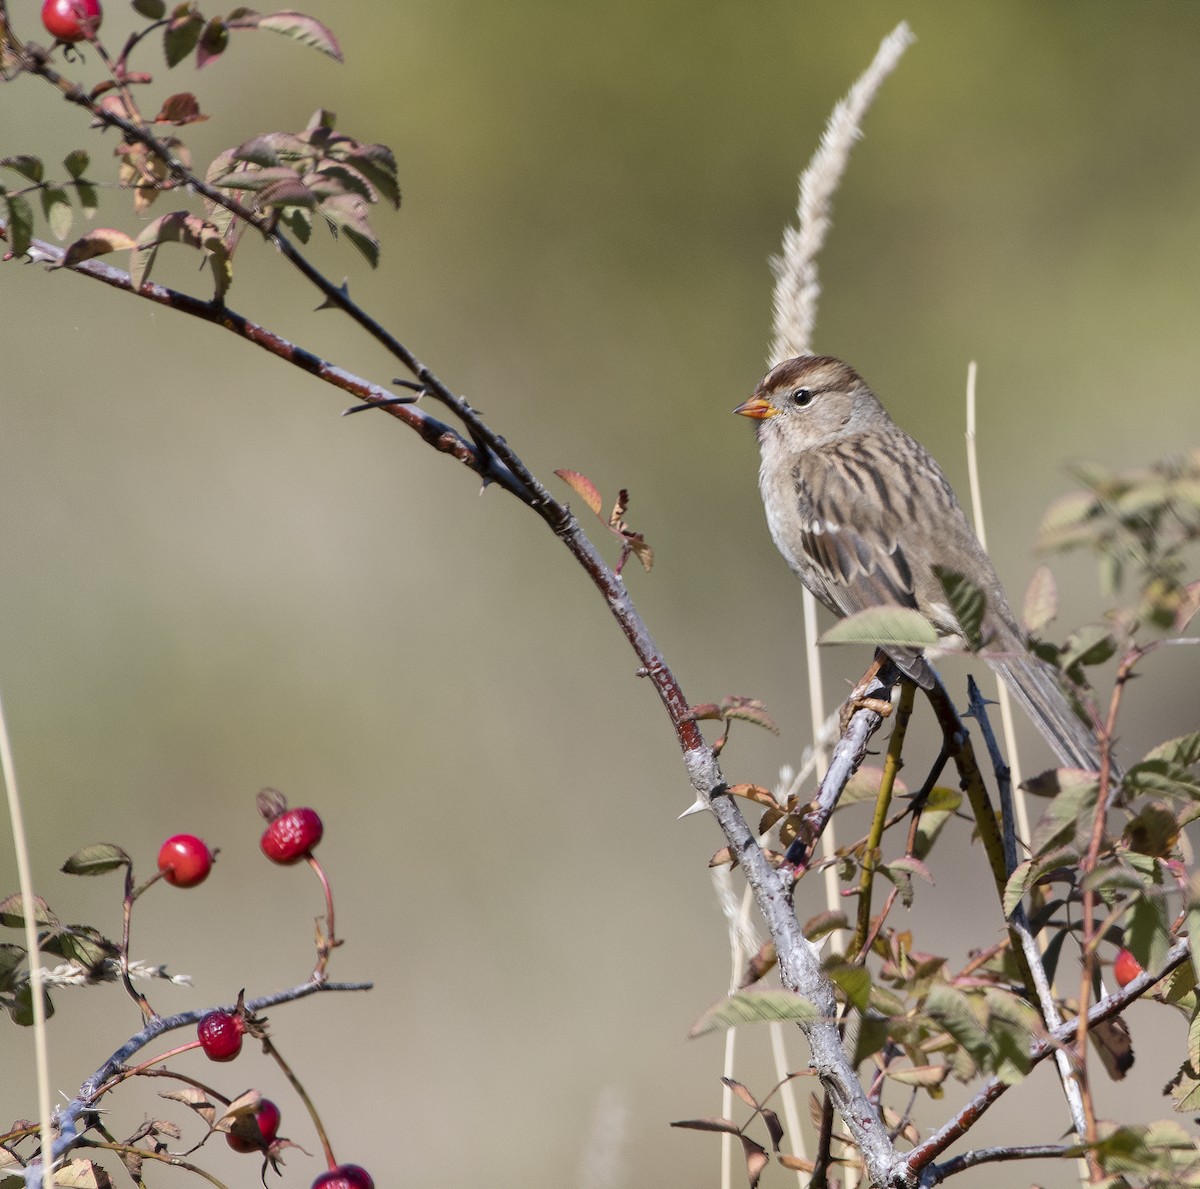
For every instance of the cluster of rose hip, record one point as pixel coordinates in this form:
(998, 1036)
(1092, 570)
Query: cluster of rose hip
(185, 861)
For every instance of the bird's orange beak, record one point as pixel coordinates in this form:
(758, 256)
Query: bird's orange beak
(757, 407)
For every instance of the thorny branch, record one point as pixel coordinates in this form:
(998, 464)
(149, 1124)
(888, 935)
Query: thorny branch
(67, 1121)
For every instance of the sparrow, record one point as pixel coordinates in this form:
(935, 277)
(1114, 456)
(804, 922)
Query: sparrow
(862, 514)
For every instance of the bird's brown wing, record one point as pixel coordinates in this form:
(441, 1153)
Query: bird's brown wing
(855, 528)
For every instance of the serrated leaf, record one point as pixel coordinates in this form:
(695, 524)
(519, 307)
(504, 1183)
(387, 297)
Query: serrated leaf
(181, 36)
(1069, 814)
(301, 28)
(1041, 600)
(755, 1007)
(82, 1174)
(82, 944)
(287, 191)
(12, 912)
(950, 1009)
(26, 165)
(1160, 777)
(583, 487)
(378, 164)
(883, 626)
(347, 215)
(96, 859)
(19, 224)
(1184, 750)
(967, 602)
(191, 231)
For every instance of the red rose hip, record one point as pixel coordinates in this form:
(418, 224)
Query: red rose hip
(345, 1176)
(184, 861)
(220, 1035)
(72, 20)
(1126, 968)
(267, 1117)
(292, 835)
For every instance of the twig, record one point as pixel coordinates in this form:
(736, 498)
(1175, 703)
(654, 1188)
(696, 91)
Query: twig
(66, 1121)
(917, 1162)
(1073, 1089)
(883, 801)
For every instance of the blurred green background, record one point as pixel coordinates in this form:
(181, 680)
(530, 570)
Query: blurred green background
(211, 583)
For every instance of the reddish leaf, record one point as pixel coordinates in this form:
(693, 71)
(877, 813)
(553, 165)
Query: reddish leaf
(96, 243)
(179, 110)
(583, 487)
(712, 1124)
(741, 1092)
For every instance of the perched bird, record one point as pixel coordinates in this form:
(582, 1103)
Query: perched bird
(862, 514)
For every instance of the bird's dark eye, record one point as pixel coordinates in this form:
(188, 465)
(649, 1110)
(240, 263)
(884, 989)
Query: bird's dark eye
(802, 397)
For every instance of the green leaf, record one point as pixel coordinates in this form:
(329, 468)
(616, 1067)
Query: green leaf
(1069, 815)
(181, 36)
(96, 859)
(1092, 644)
(755, 1007)
(1147, 930)
(855, 982)
(1183, 751)
(20, 224)
(256, 178)
(1011, 1025)
(1160, 778)
(882, 626)
(75, 162)
(153, 10)
(940, 807)
(56, 206)
(951, 1009)
(1067, 522)
(27, 166)
(298, 221)
(11, 958)
(89, 200)
(873, 1033)
(21, 1007)
(82, 944)
(12, 912)
(967, 602)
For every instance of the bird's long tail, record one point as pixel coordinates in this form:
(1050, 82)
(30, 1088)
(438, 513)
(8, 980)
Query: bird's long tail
(1038, 687)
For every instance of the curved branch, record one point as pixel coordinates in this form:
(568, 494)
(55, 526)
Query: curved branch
(67, 1120)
